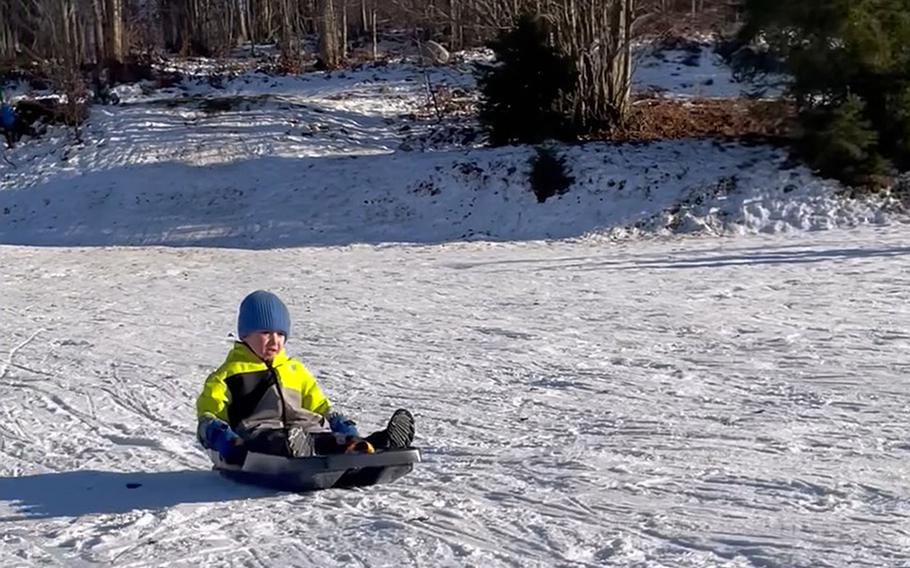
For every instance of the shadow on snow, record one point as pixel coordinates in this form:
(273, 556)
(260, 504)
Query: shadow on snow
(76, 493)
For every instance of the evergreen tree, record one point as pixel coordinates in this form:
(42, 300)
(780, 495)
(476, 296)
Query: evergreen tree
(850, 67)
(521, 91)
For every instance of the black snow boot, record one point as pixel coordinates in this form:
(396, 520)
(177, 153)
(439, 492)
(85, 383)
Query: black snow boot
(398, 434)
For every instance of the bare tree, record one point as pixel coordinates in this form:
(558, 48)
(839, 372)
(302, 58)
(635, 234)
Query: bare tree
(113, 26)
(596, 34)
(329, 48)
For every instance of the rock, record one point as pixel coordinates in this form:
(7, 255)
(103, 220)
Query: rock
(432, 53)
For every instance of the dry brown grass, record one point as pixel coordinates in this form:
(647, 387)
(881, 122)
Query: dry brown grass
(668, 119)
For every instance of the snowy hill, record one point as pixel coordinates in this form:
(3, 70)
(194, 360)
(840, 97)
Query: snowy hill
(427, 197)
(584, 397)
(259, 161)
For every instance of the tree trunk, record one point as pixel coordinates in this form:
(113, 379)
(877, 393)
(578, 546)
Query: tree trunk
(328, 35)
(98, 29)
(242, 15)
(287, 35)
(114, 39)
(454, 25)
(286, 31)
(375, 35)
(619, 79)
(253, 24)
(625, 95)
(344, 30)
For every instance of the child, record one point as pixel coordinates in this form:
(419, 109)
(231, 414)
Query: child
(263, 401)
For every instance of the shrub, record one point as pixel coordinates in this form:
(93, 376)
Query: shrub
(520, 93)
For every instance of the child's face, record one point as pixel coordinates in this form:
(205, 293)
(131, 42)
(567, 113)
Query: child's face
(266, 344)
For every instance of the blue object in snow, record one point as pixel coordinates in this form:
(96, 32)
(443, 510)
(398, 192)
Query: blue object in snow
(7, 116)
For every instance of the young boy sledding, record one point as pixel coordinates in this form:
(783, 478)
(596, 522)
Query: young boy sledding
(260, 400)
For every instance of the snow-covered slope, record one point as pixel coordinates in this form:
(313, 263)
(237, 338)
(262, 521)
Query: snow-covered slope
(703, 403)
(668, 187)
(260, 161)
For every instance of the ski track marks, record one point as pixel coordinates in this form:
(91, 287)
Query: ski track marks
(702, 403)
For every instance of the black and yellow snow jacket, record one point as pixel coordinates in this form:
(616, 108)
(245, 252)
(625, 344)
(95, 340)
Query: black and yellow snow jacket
(248, 394)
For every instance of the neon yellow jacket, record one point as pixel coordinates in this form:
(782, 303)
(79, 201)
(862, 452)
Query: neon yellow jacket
(248, 394)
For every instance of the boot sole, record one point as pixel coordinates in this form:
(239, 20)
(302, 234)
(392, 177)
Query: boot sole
(400, 429)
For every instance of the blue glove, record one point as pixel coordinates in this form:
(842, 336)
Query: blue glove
(341, 424)
(220, 437)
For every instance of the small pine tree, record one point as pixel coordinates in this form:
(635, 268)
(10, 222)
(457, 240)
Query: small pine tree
(521, 92)
(840, 142)
(849, 62)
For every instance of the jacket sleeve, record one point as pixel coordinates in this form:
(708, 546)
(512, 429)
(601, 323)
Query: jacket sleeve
(312, 398)
(215, 398)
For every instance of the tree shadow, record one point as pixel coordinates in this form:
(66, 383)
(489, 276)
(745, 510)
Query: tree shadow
(775, 257)
(779, 255)
(77, 493)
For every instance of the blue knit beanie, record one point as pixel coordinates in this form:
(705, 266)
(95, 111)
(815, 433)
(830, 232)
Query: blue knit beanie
(263, 311)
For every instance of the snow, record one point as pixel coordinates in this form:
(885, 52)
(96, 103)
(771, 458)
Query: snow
(655, 403)
(697, 72)
(215, 196)
(670, 365)
(357, 157)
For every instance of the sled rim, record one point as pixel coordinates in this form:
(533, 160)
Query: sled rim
(256, 462)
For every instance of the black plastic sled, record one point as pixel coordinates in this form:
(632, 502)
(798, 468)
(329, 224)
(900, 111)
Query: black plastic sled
(319, 472)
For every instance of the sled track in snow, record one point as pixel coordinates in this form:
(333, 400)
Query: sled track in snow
(683, 403)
